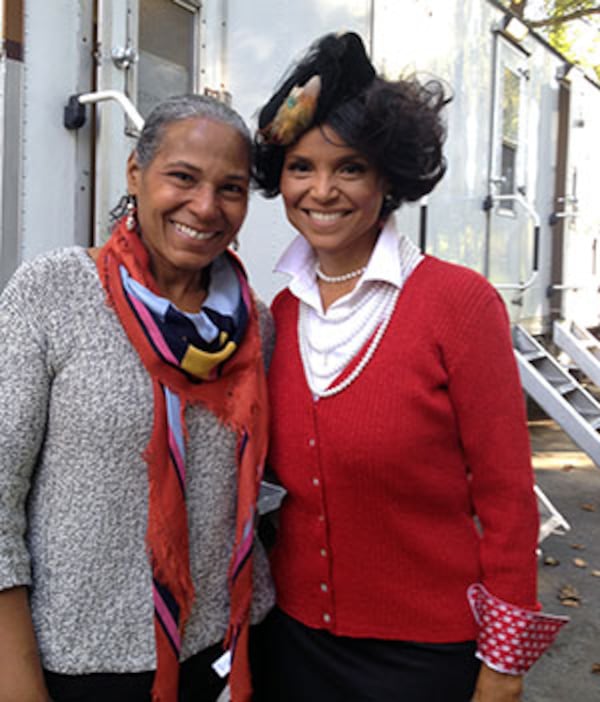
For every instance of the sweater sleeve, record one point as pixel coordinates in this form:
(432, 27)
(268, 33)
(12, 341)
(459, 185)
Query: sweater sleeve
(487, 396)
(24, 389)
(486, 393)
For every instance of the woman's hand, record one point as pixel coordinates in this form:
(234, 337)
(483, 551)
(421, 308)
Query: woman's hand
(21, 678)
(497, 687)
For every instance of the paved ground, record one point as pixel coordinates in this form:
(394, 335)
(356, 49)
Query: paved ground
(572, 482)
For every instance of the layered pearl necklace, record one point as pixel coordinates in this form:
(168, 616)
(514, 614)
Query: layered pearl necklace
(338, 278)
(355, 320)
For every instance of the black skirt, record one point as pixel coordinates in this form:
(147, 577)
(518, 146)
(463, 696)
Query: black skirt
(311, 665)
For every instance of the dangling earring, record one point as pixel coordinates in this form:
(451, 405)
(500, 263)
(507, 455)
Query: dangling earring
(130, 219)
(235, 244)
(386, 209)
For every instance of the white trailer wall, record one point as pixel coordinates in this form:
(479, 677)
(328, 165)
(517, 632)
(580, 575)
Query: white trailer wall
(244, 48)
(11, 100)
(452, 42)
(581, 266)
(56, 162)
(462, 44)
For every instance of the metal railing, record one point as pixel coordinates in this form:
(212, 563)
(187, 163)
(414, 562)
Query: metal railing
(532, 212)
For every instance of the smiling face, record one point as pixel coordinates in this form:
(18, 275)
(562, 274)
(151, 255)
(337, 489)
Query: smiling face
(192, 197)
(333, 197)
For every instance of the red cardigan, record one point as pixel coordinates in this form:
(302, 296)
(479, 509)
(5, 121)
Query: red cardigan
(377, 537)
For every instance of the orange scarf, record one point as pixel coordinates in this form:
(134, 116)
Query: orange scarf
(237, 396)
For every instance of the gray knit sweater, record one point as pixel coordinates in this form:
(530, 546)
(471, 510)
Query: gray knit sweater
(75, 415)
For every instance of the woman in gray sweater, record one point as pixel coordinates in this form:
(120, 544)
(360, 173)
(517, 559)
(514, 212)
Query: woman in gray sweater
(132, 437)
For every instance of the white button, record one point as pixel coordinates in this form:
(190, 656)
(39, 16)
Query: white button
(321, 517)
(326, 618)
(315, 398)
(323, 552)
(324, 587)
(315, 481)
(311, 442)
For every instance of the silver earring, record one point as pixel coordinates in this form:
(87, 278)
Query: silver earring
(130, 219)
(235, 244)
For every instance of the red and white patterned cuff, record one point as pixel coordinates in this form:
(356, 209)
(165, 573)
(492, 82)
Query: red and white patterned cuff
(511, 638)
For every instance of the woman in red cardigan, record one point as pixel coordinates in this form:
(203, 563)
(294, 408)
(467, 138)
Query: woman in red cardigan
(405, 561)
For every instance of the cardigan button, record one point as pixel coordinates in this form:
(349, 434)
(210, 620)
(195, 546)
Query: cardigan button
(324, 552)
(311, 442)
(315, 482)
(324, 587)
(326, 618)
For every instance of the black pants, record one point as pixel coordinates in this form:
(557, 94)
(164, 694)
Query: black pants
(197, 683)
(310, 665)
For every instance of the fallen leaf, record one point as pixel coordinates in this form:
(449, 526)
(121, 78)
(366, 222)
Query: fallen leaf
(596, 573)
(569, 591)
(578, 547)
(588, 507)
(568, 602)
(551, 561)
(596, 668)
(569, 596)
(567, 468)
(580, 563)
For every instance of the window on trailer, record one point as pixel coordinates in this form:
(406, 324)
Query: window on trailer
(511, 100)
(167, 50)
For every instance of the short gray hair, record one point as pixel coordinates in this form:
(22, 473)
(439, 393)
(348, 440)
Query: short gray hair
(183, 107)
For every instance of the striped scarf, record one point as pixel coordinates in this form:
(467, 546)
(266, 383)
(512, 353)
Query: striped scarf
(223, 371)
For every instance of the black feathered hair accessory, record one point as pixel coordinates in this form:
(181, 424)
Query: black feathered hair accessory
(335, 69)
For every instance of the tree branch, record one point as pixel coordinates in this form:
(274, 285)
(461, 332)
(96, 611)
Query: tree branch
(517, 7)
(570, 16)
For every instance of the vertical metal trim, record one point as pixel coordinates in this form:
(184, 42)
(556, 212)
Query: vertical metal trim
(11, 137)
(423, 226)
(201, 38)
(224, 53)
(372, 28)
(196, 48)
(132, 40)
(96, 22)
(491, 155)
(560, 190)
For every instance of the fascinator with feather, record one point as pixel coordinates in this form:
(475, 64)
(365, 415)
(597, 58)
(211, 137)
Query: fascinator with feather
(335, 69)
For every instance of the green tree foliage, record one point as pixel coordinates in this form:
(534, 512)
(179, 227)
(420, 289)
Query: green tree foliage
(571, 26)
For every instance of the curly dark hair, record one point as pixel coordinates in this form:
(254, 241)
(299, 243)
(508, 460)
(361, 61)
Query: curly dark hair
(397, 125)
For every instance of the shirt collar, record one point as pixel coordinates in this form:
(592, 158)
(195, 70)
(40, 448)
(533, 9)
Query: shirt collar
(298, 261)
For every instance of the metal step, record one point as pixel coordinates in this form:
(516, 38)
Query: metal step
(580, 346)
(563, 399)
(551, 520)
(558, 393)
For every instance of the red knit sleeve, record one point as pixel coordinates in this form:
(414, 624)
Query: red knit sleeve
(486, 393)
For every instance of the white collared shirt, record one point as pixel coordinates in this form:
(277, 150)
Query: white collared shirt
(333, 337)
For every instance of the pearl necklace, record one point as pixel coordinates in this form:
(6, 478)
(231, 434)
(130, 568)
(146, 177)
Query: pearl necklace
(338, 278)
(359, 317)
(391, 297)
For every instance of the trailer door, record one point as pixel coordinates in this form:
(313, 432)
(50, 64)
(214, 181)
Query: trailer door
(511, 214)
(576, 215)
(148, 50)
